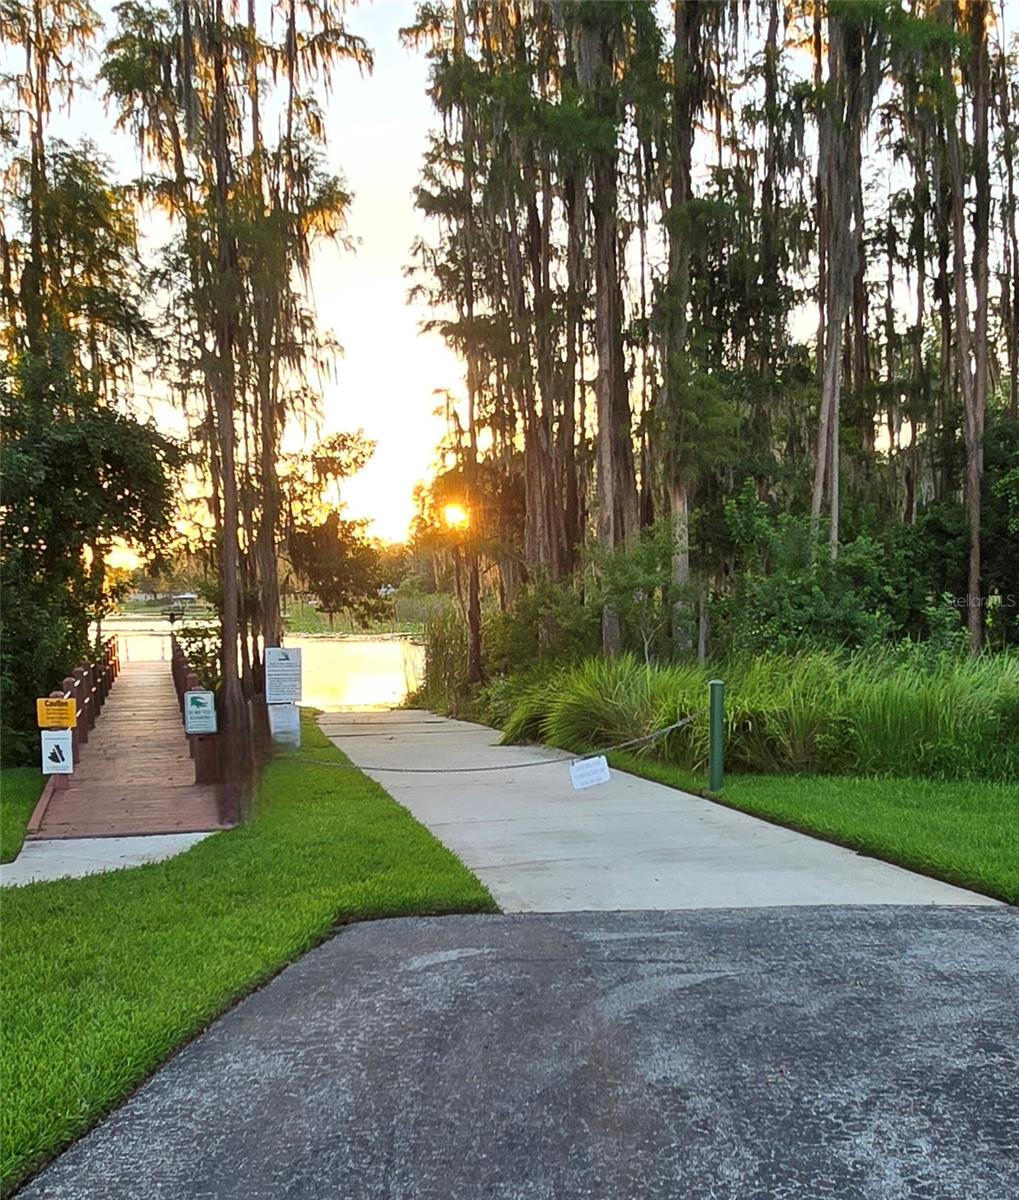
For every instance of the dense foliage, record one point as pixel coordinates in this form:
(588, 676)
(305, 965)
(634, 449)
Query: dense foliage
(739, 281)
(76, 475)
(78, 471)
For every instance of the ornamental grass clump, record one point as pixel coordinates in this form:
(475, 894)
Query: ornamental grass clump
(601, 702)
(868, 714)
(524, 704)
(956, 720)
(445, 640)
(781, 711)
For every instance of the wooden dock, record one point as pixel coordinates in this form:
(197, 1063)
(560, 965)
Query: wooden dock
(135, 775)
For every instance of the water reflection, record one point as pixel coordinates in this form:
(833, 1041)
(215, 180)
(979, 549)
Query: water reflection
(358, 672)
(370, 673)
(141, 647)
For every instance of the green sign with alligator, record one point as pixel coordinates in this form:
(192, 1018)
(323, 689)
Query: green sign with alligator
(199, 712)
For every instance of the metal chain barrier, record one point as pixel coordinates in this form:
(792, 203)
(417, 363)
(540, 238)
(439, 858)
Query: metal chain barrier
(541, 762)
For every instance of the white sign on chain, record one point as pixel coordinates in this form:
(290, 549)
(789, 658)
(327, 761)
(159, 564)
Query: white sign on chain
(588, 772)
(282, 675)
(57, 752)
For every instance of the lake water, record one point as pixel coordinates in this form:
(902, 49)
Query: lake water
(358, 672)
(369, 673)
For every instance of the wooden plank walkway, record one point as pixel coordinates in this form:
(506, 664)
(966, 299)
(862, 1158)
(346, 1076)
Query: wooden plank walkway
(135, 775)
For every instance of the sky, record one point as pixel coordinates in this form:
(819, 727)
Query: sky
(386, 380)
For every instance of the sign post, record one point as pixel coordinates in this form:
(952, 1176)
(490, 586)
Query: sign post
(57, 752)
(589, 772)
(285, 725)
(283, 692)
(716, 735)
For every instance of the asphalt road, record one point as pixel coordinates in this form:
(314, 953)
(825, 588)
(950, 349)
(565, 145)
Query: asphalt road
(756, 1054)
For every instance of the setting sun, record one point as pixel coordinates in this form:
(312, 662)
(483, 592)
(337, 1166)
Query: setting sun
(455, 516)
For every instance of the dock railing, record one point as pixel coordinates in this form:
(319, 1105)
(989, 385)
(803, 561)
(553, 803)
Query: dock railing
(203, 747)
(88, 685)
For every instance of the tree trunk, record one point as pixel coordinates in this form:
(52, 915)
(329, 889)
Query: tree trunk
(575, 199)
(681, 609)
(853, 73)
(1010, 217)
(266, 556)
(236, 743)
(973, 423)
(970, 340)
(475, 670)
(703, 628)
(617, 484)
(686, 52)
(617, 520)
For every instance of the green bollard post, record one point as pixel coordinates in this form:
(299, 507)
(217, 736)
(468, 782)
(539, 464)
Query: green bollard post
(716, 737)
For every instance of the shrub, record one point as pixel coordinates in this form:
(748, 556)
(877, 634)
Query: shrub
(635, 581)
(806, 601)
(516, 704)
(445, 641)
(791, 595)
(549, 623)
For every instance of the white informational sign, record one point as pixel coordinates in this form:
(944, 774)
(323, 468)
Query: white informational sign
(199, 712)
(282, 675)
(587, 772)
(285, 725)
(57, 752)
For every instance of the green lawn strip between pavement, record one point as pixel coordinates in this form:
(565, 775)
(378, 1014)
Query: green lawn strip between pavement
(105, 976)
(20, 788)
(965, 833)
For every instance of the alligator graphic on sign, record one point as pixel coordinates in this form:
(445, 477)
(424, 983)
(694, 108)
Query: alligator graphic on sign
(199, 712)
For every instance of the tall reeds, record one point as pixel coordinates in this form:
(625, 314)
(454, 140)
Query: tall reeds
(875, 713)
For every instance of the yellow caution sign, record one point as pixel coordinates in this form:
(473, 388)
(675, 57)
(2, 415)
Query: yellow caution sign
(54, 712)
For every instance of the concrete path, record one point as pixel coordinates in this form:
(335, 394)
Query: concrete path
(64, 858)
(627, 844)
(761, 1054)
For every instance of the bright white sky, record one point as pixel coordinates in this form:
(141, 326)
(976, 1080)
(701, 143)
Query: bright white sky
(386, 380)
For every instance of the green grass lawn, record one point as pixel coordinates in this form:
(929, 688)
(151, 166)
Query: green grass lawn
(20, 788)
(965, 833)
(105, 976)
